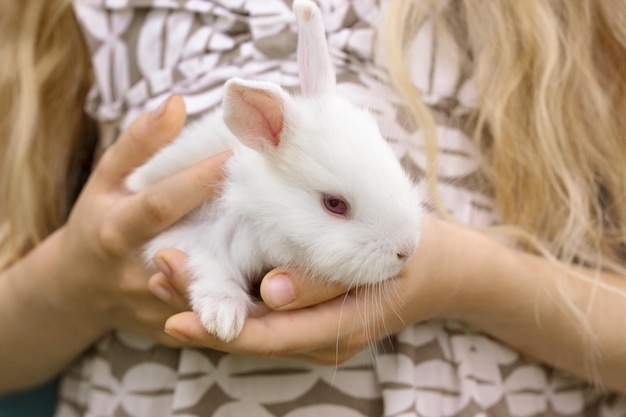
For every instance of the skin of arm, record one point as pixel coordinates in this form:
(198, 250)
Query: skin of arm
(86, 279)
(456, 273)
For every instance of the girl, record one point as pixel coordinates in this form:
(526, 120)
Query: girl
(520, 113)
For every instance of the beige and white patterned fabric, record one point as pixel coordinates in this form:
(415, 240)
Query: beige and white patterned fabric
(144, 50)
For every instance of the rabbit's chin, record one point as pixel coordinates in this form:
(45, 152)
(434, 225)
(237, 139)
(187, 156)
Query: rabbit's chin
(371, 274)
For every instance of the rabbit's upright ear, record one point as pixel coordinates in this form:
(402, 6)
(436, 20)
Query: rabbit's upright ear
(317, 74)
(255, 112)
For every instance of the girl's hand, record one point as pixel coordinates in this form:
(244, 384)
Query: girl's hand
(98, 250)
(87, 279)
(562, 315)
(303, 317)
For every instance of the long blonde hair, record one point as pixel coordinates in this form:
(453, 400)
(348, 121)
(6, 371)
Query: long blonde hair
(44, 79)
(550, 121)
(551, 117)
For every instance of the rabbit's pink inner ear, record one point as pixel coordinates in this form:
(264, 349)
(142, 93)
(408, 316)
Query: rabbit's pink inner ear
(254, 112)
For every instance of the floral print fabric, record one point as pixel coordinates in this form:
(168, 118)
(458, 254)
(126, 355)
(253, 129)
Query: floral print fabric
(144, 50)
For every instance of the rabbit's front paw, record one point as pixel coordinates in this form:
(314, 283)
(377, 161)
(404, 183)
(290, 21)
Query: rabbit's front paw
(222, 314)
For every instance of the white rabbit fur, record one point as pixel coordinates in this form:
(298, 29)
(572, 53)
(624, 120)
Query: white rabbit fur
(287, 153)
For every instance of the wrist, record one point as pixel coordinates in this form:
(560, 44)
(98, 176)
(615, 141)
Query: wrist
(50, 282)
(454, 270)
(489, 285)
(39, 314)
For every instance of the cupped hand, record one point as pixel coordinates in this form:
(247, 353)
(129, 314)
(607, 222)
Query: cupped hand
(98, 249)
(311, 319)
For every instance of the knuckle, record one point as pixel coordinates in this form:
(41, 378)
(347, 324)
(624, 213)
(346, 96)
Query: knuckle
(204, 180)
(135, 135)
(111, 241)
(131, 286)
(157, 209)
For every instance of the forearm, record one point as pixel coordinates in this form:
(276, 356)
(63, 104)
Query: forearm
(41, 332)
(87, 278)
(532, 304)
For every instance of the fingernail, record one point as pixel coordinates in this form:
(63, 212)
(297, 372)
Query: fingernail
(177, 335)
(279, 291)
(158, 112)
(162, 293)
(163, 266)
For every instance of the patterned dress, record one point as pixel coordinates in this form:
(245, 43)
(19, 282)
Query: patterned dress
(144, 50)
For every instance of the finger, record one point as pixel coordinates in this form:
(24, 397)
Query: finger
(279, 333)
(145, 136)
(160, 285)
(282, 290)
(156, 208)
(173, 265)
(172, 342)
(187, 327)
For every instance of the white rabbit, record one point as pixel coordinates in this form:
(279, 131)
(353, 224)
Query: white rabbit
(311, 184)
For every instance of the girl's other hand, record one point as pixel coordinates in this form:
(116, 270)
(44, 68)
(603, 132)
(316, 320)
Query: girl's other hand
(315, 320)
(98, 250)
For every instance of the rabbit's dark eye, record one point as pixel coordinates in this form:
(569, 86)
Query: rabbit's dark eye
(335, 204)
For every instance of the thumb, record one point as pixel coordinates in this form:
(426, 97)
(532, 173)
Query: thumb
(289, 290)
